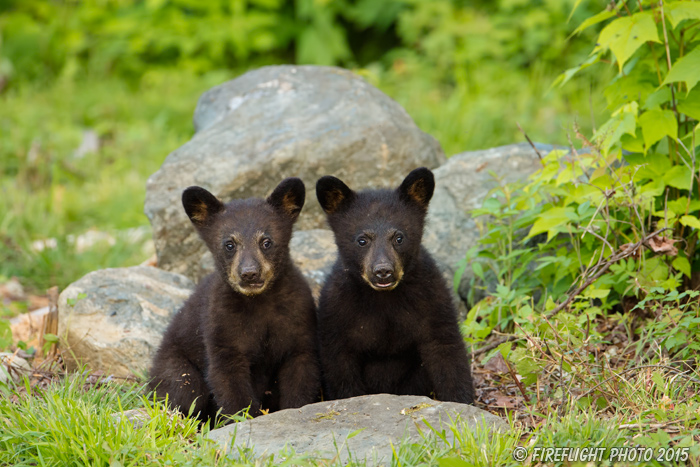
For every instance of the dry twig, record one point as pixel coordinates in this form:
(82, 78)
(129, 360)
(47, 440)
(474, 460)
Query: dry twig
(529, 141)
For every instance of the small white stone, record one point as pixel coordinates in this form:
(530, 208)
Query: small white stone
(12, 366)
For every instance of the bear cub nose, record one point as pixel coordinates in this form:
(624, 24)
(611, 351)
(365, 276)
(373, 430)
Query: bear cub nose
(383, 270)
(250, 274)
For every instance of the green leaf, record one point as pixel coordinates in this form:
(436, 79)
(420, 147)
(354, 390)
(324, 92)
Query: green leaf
(690, 105)
(563, 78)
(682, 264)
(593, 20)
(632, 144)
(658, 380)
(679, 11)
(528, 368)
(686, 69)
(550, 220)
(352, 434)
(652, 165)
(658, 97)
(681, 204)
(678, 177)
(656, 124)
(690, 221)
(625, 35)
(623, 121)
(73, 301)
(48, 337)
(505, 349)
(461, 267)
(593, 292)
(478, 270)
(627, 89)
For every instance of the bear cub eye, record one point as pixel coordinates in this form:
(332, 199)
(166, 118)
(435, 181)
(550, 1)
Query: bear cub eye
(399, 239)
(229, 246)
(362, 241)
(267, 243)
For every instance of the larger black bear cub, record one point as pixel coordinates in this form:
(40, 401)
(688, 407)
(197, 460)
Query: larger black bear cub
(247, 336)
(386, 319)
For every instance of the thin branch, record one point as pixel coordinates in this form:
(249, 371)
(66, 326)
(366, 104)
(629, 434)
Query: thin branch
(529, 141)
(495, 344)
(517, 381)
(668, 58)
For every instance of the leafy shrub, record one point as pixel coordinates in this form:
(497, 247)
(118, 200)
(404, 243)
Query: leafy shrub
(66, 38)
(620, 216)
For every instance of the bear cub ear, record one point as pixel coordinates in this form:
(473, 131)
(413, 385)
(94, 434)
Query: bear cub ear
(200, 205)
(333, 195)
(417, 188)
(288, 197)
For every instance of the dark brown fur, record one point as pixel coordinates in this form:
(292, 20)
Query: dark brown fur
(386, 319)
(247, 335)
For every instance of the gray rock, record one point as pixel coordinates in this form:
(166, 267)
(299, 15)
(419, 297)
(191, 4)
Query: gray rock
(314, 251)
(140, 417)
(136, 417)
(462, 184)
(277, 122)
(13, 368)
(118, 325)
(375, 421)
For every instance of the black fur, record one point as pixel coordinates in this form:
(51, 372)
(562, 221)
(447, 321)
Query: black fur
(247, 335)
(387, 323)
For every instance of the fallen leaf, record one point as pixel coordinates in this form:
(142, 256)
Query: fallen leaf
(628, 247)
(663, 245)
(497, 364)
(502, 400)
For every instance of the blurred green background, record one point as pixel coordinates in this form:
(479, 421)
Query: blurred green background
(94, 94)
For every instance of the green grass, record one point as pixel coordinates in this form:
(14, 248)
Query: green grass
(50, 193)
(70, 422)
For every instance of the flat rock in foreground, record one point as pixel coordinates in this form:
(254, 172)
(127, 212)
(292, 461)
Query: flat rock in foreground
(321, 430)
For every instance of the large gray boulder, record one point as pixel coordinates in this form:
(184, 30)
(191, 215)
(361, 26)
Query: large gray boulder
(463, 183)
(376, 422)
(113, 320)
(277, 122)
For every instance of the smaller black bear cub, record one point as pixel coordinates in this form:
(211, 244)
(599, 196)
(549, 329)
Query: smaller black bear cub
(386, 319)
(247, 335)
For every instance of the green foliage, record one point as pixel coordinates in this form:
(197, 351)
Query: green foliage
(128, 38)
(52, 192)
(5, 334)
(677, 321)
(638, 174)
(73, 301)
(609, 234)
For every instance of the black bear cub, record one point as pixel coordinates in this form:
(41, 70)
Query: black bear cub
(247, 335)
(386, 319)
